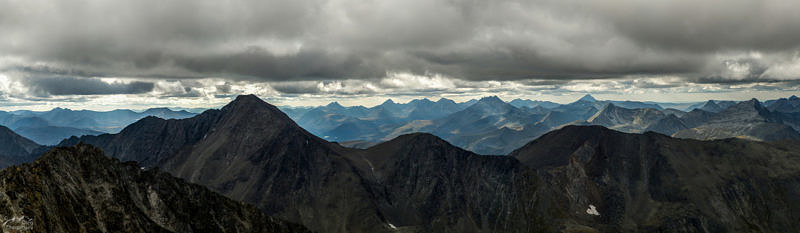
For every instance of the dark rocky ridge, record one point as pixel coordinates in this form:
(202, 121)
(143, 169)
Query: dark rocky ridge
(424, 184)
(78, 189)
(653, 183)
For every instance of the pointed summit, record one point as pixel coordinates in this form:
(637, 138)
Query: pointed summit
(794, 97)
(445, 100)
(334, 104)
(388, 102)
(243, 102)
(588, 98)
(711, 106)
(491, 99)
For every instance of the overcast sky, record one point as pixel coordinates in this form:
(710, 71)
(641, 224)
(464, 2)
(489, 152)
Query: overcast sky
(101, 54)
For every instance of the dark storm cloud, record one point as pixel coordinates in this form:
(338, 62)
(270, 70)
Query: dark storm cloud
(277, 40)
(46, 86)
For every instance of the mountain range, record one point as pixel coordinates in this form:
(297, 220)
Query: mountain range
(572, 179)
(492, 126)
(50, 127)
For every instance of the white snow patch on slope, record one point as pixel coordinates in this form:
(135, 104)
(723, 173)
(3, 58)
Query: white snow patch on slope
(592, 210)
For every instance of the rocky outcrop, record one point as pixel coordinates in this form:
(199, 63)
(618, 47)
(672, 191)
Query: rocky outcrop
(78, 189)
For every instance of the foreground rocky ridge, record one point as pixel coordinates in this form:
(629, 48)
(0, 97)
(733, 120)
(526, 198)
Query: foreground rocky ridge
(573, 179)
(78, 189)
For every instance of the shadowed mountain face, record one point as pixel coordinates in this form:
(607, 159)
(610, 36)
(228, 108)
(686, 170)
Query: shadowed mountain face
(573, 179)
(78, 189)
(422, 183)
(654, 183)
(15, 149)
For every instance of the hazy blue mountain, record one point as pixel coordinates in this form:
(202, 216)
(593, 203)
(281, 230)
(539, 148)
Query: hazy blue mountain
(50, 127)
(519, 103)
(489, 126)
(747, 119)
(295, 112)
(15, 121)
(52, 135)
(108, 121)
(424, 109)
(581, 109)
(587, 98)
(636, 104)
(790, 105)
(679, 106)
(467, 103)
(339, 123)
(626, 120)
(713, 105)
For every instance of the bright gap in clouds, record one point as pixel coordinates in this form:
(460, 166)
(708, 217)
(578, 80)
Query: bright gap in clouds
(399, 86)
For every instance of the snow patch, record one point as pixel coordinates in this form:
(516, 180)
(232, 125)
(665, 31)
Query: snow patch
(392, 226)
(592, 210)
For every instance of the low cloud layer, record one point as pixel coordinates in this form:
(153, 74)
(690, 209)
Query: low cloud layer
(361, 47)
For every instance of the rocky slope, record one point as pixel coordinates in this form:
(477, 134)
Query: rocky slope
(78, 189)
(619, 182)
(424, 184)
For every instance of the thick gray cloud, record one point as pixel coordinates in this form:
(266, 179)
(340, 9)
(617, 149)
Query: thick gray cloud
(279, 40)
(46, 86)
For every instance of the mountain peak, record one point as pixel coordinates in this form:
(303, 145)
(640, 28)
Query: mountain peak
(588, 98)
(445, 100)
(388, 101)
(793, 97)
(248, 105)
(334, 104)
(421, 101)
(245, 100)
(491, 99)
